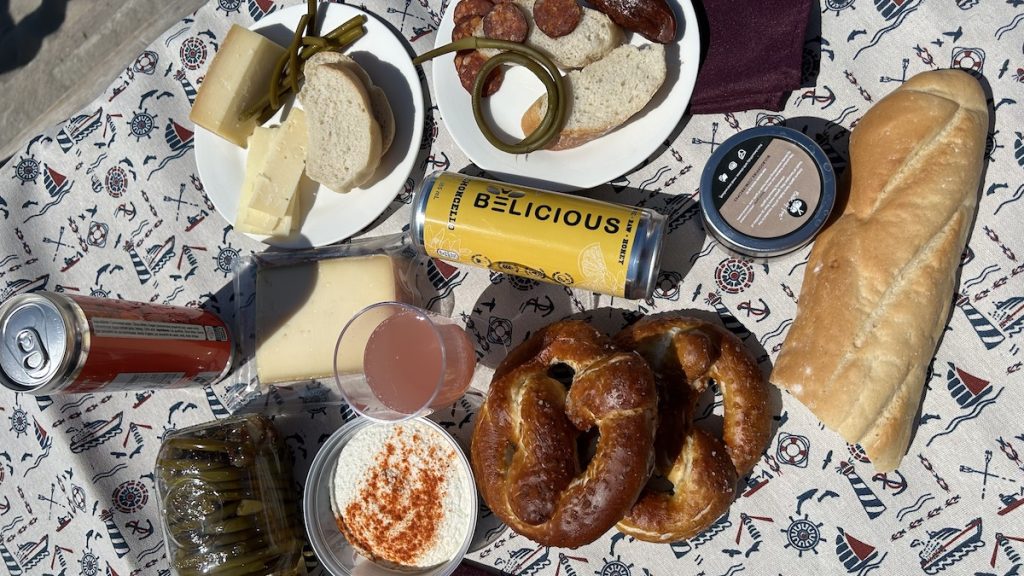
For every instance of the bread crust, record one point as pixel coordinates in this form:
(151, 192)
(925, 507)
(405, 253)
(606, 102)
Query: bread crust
(685, 355)
(322, 163)
(524, 451)
(879, 283)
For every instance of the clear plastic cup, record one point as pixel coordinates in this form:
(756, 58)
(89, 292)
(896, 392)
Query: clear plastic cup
(336, 555)
(394, 361)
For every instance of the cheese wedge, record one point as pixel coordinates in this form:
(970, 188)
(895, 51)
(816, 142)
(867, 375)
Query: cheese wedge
(302, 308)
(269, 201)
(237, 79)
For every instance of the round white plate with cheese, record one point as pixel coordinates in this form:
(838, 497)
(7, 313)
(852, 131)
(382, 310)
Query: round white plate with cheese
(594, 163)
(328, 216)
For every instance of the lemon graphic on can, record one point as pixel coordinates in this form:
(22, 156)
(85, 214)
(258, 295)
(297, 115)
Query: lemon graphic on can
(594, 269)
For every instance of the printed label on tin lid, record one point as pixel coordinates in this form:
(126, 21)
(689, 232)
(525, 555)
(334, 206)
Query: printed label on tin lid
(556, 238)
(767, 187)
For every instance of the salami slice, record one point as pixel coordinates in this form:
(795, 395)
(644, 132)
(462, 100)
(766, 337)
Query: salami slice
(465, 28)
(467, 9)
(506, 22)
(468, 65)
(557, 17)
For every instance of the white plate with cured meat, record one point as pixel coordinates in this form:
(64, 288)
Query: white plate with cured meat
(330, 216)
(591, 164)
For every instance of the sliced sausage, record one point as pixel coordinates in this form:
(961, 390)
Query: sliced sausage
(652, 19)
(469, 65)
(506, 22)
(466, 28)
(467, 9)
(557, 17)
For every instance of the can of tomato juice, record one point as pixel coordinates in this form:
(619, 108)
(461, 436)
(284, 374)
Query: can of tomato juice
(57, 343)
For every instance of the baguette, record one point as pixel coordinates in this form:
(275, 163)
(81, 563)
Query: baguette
(879, 283)
(604, 95)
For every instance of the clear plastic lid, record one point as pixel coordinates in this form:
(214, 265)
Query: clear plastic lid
(226, 500)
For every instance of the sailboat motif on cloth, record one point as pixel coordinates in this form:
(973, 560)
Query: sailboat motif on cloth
(78, 128)
(970, 392)
(1010, 314)
(857, 557)
(24, 286)
(32, 553)
(96, 432)
(948, 546)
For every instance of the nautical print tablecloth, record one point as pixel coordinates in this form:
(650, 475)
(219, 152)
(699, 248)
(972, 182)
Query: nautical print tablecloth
(109, 203)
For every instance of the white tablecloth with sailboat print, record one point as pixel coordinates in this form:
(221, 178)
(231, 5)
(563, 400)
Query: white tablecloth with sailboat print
(109, 203)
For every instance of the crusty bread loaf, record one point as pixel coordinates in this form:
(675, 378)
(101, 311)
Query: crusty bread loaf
(605, 94)
(345, 140)
(879, 283)
(594, 37)
(381, 107)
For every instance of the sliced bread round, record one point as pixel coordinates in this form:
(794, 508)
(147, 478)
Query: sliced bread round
(344, 139)
(378, 98)
(604, 95)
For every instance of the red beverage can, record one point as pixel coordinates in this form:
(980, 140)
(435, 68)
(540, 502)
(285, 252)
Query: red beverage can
(56, 343)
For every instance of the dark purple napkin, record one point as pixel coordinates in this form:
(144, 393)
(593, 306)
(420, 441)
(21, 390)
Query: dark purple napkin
(754, 54)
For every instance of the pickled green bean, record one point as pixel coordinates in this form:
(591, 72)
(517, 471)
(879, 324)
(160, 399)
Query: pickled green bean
(534, 61)
(200, 444)
(293, 61)
(311, 13)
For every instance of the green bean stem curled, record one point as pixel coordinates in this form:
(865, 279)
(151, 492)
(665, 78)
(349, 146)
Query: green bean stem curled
(537, 63)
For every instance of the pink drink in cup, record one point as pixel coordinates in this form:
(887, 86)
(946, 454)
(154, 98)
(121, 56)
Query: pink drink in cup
(394, 361)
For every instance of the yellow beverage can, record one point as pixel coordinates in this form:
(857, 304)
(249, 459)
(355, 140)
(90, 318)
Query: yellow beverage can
(547, 236)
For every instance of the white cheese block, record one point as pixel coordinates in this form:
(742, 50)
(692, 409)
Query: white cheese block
(238, 78)
(301, 309)
(248, 219)
(269, 200)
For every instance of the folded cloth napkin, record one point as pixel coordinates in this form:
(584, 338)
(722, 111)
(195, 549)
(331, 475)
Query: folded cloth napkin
(754, 54)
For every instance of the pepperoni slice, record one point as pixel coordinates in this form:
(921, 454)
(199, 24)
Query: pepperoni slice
(467, 9)
(468, 66)
(506, 22)
(466, 28)
(557, 17)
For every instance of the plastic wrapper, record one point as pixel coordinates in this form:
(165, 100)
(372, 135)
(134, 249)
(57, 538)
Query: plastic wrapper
(227, 503)
(243, 385)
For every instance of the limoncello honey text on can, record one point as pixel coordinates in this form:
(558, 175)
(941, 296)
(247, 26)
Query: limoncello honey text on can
(547, 236)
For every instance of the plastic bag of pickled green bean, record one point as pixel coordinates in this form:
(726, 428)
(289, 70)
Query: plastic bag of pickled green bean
(227, 502)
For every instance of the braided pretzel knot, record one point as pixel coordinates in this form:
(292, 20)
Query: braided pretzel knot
(524, 451)
(685, 354)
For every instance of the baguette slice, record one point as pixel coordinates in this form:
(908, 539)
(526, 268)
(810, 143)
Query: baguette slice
(592, 39)
(378, 98)
(879, 283)
(605, 94)
(345, 141)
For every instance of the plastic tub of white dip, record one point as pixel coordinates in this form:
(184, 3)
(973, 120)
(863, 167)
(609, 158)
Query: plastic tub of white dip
(767, 191)
(404, 492)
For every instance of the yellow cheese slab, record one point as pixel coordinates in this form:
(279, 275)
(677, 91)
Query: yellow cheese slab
(238, 78)
(301, 309)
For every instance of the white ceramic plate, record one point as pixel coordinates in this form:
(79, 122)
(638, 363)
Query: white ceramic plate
(330, 216)
(591, 164)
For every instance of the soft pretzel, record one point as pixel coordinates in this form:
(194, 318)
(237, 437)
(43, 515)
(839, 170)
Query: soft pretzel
(524, 452)
(685, 354)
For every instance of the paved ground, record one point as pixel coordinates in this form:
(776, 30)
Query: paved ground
(57, 55)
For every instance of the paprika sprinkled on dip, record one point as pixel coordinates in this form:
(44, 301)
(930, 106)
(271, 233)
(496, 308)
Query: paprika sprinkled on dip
(402, 495)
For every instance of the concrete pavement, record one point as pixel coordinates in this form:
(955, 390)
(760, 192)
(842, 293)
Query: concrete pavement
(58, 55)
